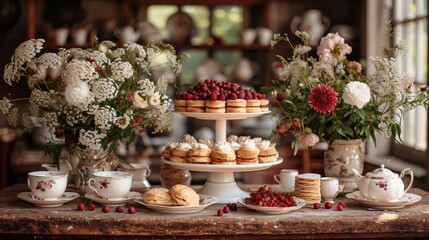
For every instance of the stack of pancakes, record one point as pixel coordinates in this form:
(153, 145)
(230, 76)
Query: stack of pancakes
(307, 187)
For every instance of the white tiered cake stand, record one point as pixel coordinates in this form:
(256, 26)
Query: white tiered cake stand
(220, 182)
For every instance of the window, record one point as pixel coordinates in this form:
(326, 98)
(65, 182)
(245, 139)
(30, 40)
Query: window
(410, 19)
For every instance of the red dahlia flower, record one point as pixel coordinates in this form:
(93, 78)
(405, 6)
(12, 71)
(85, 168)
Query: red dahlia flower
(323, 98)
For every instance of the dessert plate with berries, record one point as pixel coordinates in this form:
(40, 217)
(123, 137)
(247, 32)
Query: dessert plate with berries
(205, 201)
(272, 209)
(113, 203)
(266, 200)
(30, 198)
(405, 200)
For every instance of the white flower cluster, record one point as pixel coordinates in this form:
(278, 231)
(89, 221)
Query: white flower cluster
(105, 117)
(78, 70)
(121, 70)
(79, 95)
(357, 94)
(5, 105)
(91, 139)
(104, 89)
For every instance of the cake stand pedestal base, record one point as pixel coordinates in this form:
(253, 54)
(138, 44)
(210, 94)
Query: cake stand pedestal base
(223, 186)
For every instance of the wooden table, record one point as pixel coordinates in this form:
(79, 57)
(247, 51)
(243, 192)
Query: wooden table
(19, 219)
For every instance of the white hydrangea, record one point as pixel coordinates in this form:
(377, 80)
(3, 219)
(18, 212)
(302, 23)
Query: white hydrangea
(105, 117)
(121, 70)
(91, 139)
(357, 94)
(100, 58)
(51, 60)
(78, 70)
(104, 89)
(5, 105)
(78, 95)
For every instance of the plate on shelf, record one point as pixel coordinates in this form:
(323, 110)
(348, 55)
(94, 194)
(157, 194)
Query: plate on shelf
(205, 201)
(113, 203)
(222, 116)
(30, 198)
(274, 210)
(405, 200)
(222, 168)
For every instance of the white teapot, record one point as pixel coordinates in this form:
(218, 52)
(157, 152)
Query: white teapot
(313, 22)
(382, 184)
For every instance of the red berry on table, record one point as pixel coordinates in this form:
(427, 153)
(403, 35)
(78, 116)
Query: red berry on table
(328, 205)
(316, 205)
(131, 210)
(105, 209)
(219, 212)
(81, 207)
(91, 207)
(342, 204)
(226, 209)
(233, 207)
(340, 207)
(119, 209)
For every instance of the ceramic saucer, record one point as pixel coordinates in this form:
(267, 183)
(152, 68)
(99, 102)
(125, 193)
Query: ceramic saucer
(205, 201)
(274, 210)
(29, 197)
(113, 203)
(405, 200)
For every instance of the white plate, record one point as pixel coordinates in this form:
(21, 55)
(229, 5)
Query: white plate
(275, 210)
(66, 197)
(205, 201)
(222, 168)
(113, 203)
(222, 116)
(405, 200)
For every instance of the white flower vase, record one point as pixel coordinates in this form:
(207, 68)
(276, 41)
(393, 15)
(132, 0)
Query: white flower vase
(340, 158)
(86, 162)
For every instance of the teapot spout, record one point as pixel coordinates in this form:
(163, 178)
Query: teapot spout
(357, 176)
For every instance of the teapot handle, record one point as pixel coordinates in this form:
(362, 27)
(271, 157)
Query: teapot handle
(405, 171)
(294, 24)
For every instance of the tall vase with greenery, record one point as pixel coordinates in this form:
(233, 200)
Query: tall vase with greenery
(90, 99)
(325, 96)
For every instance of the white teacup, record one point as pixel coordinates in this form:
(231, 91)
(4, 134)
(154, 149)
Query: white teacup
(248, 36)
(111, 185)
(79, 36)
(329, 188)
(286, 179)
(47, 185)
(60, 35)
(264, 36)
(127, 34)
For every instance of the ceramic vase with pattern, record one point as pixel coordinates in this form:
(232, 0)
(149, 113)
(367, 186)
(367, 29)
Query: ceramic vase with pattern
(339, 160)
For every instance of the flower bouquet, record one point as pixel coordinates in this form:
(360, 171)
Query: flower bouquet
(91, 98)
(329, 97)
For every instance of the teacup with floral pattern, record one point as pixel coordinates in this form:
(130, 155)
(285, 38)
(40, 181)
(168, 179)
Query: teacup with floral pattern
(111, 185)
(47, 185)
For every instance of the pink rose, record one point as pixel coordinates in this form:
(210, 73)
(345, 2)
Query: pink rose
(310, 140)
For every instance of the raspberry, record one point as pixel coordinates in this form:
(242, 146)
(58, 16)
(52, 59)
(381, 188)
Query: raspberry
(340, 207)
(342, 204)
(81, 207)
(328, 205)
(119, 209)
(226, 209)
(131, 210)
(316, 205)
(105, 209)
(91, 207)
(233, 96)
(219, 212)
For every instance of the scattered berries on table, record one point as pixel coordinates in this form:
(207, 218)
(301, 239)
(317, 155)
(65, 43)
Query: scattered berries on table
(340, 207)
(105, 209)
(226, 209)
(131, 210)
(91, 207)
(233, 206)
(316, 205)
(342, 204)
(328, 205)
(219, 212)
(119, 209)
(81, 207)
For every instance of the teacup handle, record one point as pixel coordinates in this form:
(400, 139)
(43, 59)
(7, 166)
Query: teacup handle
(148, 172)
(28, 182)
(277, 178)
(90, 182)
(405, 171)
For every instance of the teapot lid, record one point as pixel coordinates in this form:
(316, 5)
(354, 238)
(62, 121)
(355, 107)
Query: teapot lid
(380, 172)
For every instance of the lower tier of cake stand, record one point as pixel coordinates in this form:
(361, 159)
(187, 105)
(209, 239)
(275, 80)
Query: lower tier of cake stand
(223, 186)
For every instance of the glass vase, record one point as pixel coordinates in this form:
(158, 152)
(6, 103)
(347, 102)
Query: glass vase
(171, 176)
